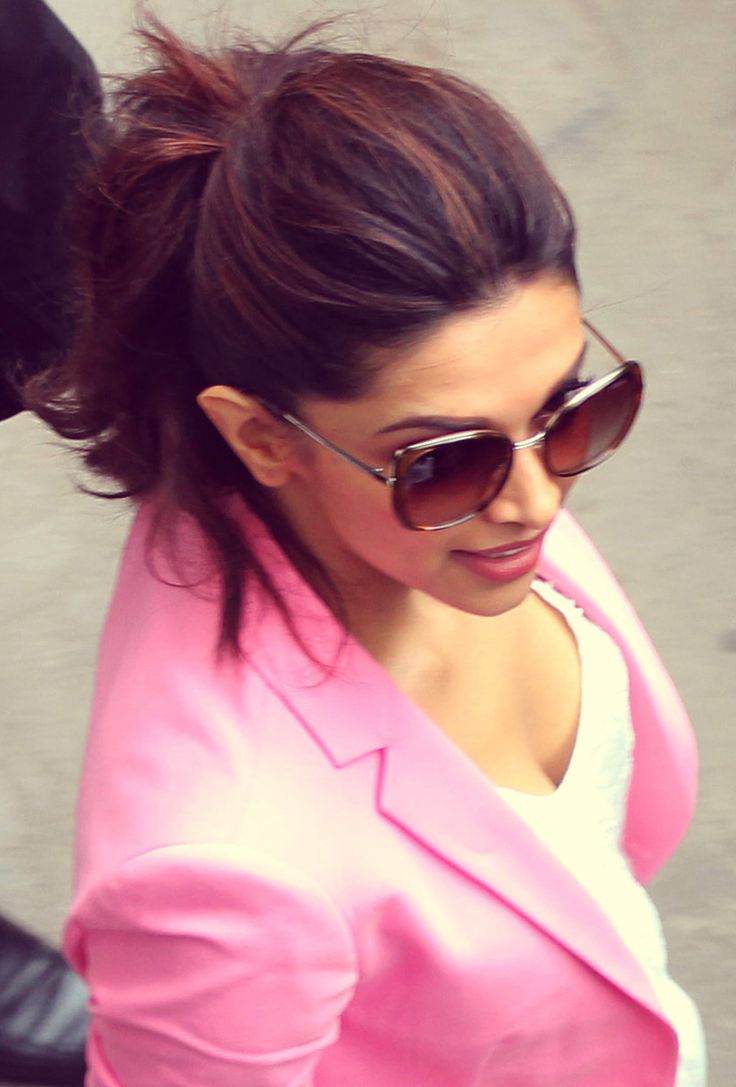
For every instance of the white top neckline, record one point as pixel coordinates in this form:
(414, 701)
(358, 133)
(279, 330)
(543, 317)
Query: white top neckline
(582, 823)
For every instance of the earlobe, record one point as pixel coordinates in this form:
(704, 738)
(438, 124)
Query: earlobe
(253, 434)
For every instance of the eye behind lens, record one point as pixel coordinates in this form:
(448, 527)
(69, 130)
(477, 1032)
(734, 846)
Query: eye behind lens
(588, 433)
(454, 479)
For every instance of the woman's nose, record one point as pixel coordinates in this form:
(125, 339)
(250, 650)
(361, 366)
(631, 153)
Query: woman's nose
(531, 496)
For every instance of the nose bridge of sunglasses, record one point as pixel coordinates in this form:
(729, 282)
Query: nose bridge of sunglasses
(532, 442)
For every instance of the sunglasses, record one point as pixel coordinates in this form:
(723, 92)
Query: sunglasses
(442, 482)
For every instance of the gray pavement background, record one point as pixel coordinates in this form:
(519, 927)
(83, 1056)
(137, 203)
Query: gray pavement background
(635, 105)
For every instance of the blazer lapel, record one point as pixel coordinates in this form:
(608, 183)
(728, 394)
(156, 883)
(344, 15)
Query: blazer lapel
(436, 794)
(664, 782)
(428, 787)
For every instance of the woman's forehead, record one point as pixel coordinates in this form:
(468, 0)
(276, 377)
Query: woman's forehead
(532, 339)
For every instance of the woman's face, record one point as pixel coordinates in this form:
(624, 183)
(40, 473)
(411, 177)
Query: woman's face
(496, 368)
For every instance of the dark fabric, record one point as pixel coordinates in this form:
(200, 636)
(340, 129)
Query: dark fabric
(47, 84)
(43, 1013)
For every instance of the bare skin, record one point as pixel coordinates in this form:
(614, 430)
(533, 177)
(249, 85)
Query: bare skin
(507, 692)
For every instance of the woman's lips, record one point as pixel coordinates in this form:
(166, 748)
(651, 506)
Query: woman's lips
(506, 563)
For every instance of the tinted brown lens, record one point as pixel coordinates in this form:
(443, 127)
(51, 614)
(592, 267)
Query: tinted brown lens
(446, 482)
(585, 435)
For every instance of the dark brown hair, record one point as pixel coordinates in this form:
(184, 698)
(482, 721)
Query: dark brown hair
(262, 217)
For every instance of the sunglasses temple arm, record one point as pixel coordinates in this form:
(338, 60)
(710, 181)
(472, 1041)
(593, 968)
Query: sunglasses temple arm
(375, 473)
(603, 340)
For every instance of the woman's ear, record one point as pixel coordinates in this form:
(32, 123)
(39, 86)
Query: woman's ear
(257, 437)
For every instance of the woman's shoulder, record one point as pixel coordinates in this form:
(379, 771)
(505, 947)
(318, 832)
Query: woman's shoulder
(187, 744)
(664, 782)
(569, 550)
(572, 563)
(175, 728)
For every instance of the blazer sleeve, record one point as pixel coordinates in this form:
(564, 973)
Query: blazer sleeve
(209, 966)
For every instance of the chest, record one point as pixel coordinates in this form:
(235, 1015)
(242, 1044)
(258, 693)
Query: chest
(510, 698)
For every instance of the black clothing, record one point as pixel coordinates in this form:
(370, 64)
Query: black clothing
(43, 1017)
(47, 83)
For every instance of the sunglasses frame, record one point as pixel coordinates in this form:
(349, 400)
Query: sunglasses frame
(390, 477)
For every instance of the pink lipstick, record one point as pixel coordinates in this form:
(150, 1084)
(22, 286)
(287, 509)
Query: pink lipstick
(501, 564)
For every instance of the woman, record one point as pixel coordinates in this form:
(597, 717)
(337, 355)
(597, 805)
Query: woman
(379, 753)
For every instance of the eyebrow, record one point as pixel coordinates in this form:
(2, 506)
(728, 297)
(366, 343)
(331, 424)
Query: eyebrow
(477, 422)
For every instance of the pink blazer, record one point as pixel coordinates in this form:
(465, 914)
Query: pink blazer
(287, 880)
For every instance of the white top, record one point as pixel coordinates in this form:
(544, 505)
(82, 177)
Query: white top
(582, 824)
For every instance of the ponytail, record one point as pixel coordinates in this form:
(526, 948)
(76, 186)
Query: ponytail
(262, 218)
